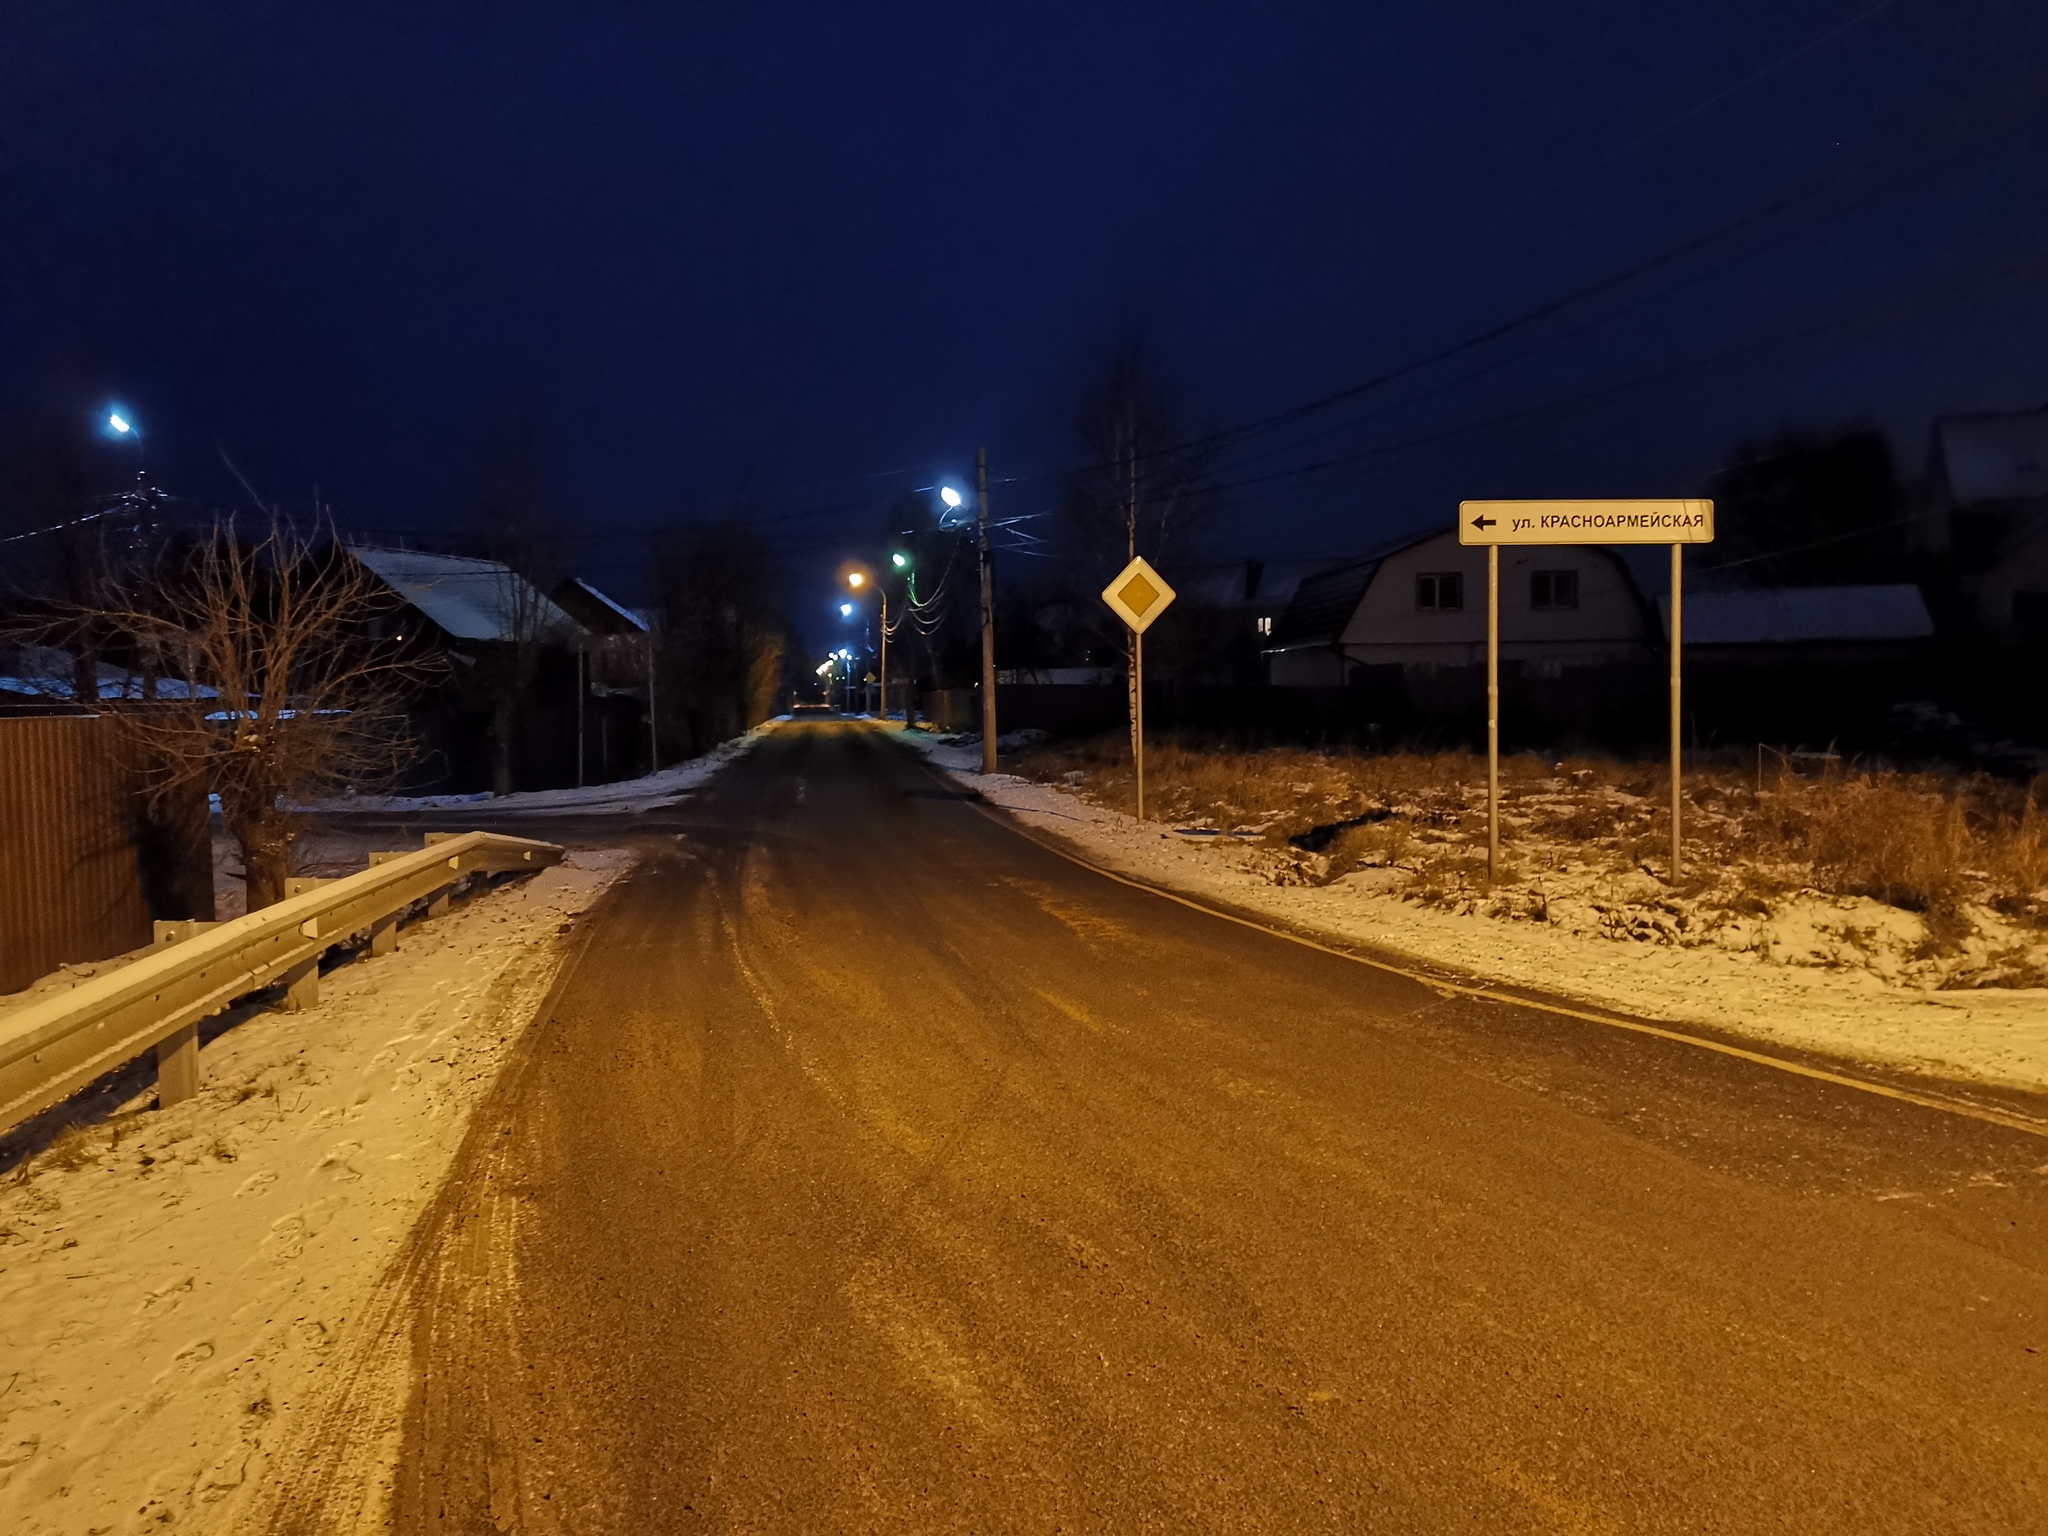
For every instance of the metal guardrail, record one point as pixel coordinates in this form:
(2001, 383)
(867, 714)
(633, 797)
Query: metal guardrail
(51, 1049)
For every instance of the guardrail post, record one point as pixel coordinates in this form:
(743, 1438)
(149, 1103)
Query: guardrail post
(177, 1067)
(437, 904)
(302, 986)
(384, 935)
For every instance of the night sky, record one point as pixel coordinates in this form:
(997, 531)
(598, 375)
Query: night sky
(770, 258)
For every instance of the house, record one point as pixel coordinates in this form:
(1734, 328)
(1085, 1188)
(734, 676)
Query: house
(1804, 664)
(1255, 591)
(597, 613)
(616, 662)
(464, 599)
(1780, 627)
(503, 715)
(1420, 606)
(1988, 477)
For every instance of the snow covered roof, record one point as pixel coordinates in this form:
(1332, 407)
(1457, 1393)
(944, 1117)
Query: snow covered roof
(1792, 615)
(2002, 457)
(44, 672)
(469, 599)
(1322, 605)
(596, 612)
(1265, 585)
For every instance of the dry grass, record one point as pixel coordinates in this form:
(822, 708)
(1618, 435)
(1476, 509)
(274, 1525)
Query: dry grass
(75, 1147)
(1952, 850)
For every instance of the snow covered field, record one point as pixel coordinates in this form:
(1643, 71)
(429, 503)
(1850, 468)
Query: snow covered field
(1791, 995)
(181, 1290)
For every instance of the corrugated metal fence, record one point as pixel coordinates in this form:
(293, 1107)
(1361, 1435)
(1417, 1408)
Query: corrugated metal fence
(84, 866)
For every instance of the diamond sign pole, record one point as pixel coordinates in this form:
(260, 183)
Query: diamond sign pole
(1138, 596)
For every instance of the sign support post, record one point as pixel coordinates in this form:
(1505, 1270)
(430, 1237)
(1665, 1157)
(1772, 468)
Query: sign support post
(1494, 523)
(1677, 733)
(1138, 715)
(1492, 713)
(1138, 595)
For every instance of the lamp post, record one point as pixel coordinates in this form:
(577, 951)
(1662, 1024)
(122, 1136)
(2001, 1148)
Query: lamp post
(859, 581)
(988, 615)
(120, 425)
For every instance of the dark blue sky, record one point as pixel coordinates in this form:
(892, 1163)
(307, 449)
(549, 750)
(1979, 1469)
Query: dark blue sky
(768, 255)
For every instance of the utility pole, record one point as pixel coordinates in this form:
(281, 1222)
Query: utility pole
(988, 617)
(1134, 643)
(882, 586)
(582, 689)
(653, 726)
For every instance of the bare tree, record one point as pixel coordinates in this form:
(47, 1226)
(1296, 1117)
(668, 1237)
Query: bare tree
(511, 517)
(723, 640)
(1147, 489)
(282, 691)
(507, 670)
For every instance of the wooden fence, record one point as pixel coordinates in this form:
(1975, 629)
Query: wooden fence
(85, 864)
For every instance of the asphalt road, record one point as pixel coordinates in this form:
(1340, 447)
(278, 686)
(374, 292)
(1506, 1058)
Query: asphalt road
(877, 1169)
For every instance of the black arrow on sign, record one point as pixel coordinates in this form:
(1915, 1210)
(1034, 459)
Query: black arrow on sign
(1484, 522)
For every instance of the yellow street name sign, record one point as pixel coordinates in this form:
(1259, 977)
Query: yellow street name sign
(1585, 522)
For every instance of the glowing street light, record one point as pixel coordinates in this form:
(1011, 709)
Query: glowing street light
(857, 579)
(900, 560)
(846, 610)
(949, 496)
(118, 424)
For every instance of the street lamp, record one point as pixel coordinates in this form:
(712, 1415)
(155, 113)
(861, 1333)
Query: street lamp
(950, 497)
(859, 580)
(118, 425)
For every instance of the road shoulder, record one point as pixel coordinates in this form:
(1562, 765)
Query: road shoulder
(1997, 1038)
(182, 1290)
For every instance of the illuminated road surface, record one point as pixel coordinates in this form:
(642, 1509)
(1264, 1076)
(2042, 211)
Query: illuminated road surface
(879, 1170)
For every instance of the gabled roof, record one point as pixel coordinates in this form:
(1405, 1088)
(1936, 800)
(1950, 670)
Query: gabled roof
(596, 612)
(469, 599)
(1795, 615)
(1324, 601)
(1322, 605)
(1996, 457)
(1265, 585)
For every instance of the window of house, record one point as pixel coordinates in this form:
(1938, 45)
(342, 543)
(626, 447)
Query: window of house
(1553, 589)
(1265, 624)
(1440, 592)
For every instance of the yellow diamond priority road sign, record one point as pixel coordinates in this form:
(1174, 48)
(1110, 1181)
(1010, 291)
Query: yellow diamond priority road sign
(1138, 595)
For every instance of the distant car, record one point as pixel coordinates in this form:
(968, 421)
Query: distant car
(800, 709)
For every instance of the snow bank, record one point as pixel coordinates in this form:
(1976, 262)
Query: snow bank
(179, 1290)
(1998, 1036)
(624, 797)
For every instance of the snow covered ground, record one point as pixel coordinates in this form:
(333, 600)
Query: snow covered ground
(1995, 1035)
(181, 1290)
(624, 797)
